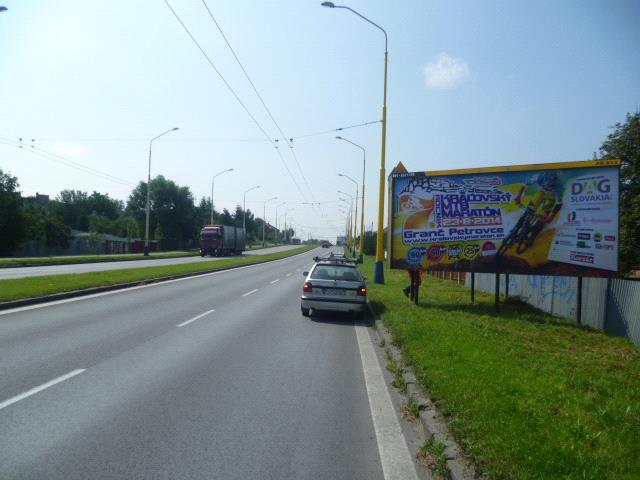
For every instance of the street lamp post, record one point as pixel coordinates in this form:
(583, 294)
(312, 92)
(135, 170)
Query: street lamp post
(379, 271)
(355, 218)
(285, 222)
(364, 169)
(352, 224)
(212, 181)
(264, 215)
(244, 210)
(276, 232)
(146, 228)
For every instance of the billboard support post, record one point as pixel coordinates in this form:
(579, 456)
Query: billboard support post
(473, 287)
(506, 285)
(579, 302)
(497, 293)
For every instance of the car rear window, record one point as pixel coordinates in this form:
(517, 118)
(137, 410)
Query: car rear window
(335, 272)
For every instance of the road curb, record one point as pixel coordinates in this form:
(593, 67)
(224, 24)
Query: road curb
(121, 286)
(432, 421)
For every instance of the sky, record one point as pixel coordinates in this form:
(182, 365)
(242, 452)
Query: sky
(470, 84)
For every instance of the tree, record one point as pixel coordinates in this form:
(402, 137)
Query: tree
(226, 218)
(624, 144)
(172, 209)
(76, 208)
(12, 220)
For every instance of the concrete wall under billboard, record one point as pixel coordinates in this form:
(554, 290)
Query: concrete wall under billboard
(543, 219)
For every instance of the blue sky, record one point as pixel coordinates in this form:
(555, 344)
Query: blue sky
(471, 84)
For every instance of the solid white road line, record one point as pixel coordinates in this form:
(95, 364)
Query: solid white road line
(44, 386)
(395, 457)
(195, 318)
(288, 274)
(249, 293)
(274, 281)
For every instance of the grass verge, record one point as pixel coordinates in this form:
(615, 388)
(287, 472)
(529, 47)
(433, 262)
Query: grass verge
(528, 395)
(25, 262)
(46, 285)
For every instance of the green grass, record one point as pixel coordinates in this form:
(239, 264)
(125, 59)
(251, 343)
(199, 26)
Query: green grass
(25, 262)
(432, 455)
(45, 285)
(528, 395)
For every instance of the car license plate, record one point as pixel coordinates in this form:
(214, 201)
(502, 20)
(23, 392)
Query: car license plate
(333, 291)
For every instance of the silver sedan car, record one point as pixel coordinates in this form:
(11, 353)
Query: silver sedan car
(334, 284)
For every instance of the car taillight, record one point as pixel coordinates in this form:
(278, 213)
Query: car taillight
(362, 291)
(307, 287)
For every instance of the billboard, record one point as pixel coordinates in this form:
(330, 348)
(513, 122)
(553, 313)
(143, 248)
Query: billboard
(546, 219)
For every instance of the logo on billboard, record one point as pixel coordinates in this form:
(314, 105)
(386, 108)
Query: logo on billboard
(581, 257)
(592, 190)
(488, 249)
(416, 254)
(470, 251)
(454, 251)
(436, 252)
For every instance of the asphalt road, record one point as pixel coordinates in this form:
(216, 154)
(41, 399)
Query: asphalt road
(217, 376)
(21, 272)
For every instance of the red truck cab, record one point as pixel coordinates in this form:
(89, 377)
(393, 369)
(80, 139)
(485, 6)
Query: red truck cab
(210, 240)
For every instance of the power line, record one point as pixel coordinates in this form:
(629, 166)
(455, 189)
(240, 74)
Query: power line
(235, 95)
(65, 161)
(324, 132)
(255, 89)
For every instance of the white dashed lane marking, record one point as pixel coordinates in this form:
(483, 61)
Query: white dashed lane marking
(195, 318)
(40, 388)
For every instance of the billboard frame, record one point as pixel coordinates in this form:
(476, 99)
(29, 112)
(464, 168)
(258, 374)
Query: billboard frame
(401, 172)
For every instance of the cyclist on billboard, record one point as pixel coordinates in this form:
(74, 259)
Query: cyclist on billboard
(543, 205)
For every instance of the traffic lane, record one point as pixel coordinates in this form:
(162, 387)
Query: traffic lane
(37, 344)
(253, 392)
(22, 272)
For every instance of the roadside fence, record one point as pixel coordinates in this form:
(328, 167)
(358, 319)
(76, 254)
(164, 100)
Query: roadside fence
(611, 305)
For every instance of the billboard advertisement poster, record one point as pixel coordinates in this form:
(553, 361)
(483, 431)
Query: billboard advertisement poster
(546, 219)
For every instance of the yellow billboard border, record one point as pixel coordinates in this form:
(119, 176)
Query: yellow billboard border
(521, 168)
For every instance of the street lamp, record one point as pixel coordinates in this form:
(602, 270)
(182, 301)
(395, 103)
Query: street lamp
(146, 228)
(351, 224)
(364, 168)
(379, 271)
(276, 232)
(244, 210)
(264, 215)
(285, 223)
(212, 180)
(355, 218)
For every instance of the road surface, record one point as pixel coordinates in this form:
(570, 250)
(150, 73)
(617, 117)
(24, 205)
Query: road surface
(216, 376)
(21, 272)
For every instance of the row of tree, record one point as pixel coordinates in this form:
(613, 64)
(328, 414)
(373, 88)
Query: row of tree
(174, 215)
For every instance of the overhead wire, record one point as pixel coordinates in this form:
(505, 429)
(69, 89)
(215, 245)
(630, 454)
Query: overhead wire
(255, 89)
(325, 132)
(65, 161)
(235, 95)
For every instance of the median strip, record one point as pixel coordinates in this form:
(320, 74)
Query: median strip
(26, 291)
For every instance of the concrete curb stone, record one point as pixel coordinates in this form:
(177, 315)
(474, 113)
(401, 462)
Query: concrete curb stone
(432, 421)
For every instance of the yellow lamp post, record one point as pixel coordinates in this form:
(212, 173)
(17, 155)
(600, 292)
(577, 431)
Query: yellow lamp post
(364, 168)
(379, 271)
